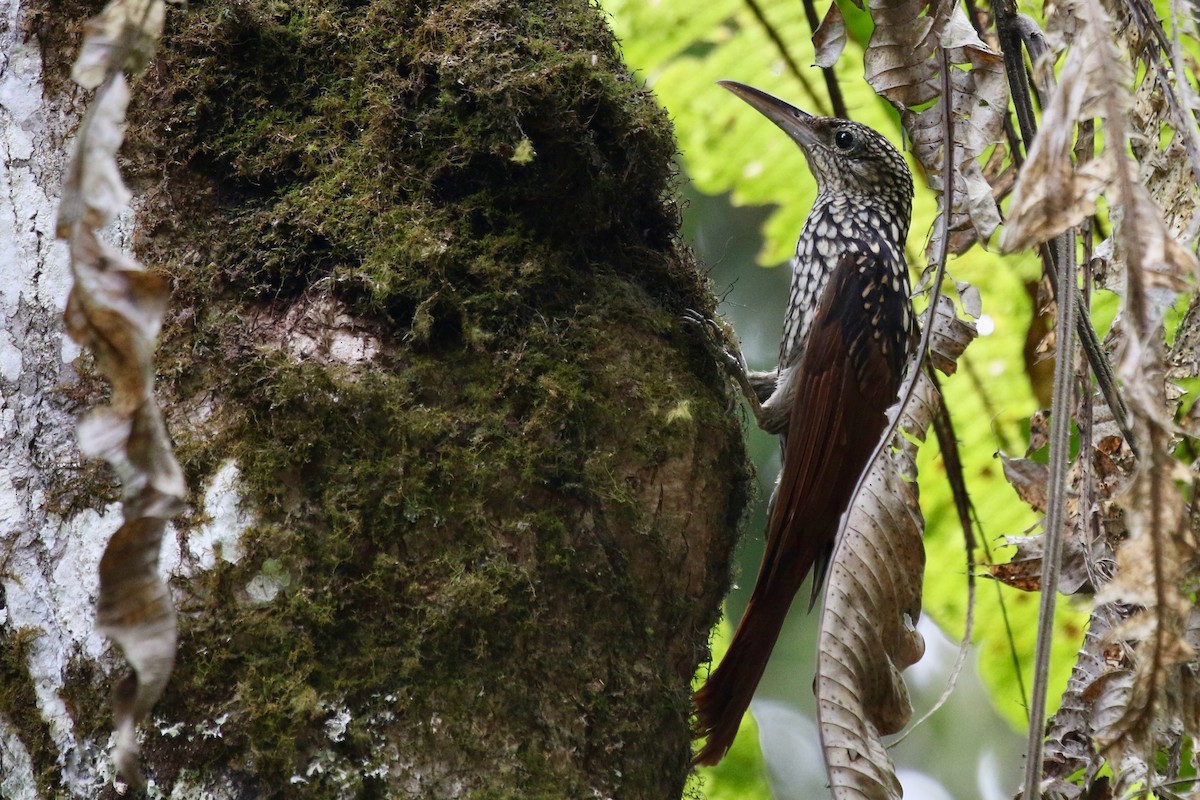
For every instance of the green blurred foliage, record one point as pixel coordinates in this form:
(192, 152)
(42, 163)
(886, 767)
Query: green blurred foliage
(740, 775)
(681, 49)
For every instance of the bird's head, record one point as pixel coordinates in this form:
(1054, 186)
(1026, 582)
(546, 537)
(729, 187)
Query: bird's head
(847, 159)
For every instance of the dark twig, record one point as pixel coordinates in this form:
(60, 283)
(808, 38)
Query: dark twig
(831, 82)
(943, 426)
(794, 68)
(1085, 150)
(1017, 31)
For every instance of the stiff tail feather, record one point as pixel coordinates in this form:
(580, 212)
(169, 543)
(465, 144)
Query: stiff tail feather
(724, 698)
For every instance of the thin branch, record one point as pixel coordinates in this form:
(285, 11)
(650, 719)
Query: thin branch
(1060, 453)
(1085, 150)
(943, 426)
(1009, 30)
(781, 45)
(831, 81)
(1017, 30)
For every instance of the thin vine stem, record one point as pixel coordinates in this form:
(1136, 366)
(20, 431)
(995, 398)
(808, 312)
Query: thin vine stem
(1060, 455)
(1017, 31)
(781, 45)
(831, 81)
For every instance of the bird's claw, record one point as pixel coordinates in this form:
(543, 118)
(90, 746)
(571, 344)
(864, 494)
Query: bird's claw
(715, 336)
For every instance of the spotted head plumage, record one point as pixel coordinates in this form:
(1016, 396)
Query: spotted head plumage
(863, 204)
(848, 160)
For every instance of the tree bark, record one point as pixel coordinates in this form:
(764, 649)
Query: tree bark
(464, 488)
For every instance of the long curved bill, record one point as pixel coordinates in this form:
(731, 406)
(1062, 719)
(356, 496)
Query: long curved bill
(794, 122)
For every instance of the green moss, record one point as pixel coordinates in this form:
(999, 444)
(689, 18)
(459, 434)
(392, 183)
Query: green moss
(372, 144)
(19, 707)
(473, 549)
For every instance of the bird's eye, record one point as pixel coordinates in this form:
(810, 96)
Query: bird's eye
(844, 140)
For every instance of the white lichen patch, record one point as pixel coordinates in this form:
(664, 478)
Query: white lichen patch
(267, 584)
(34, 264)
(50, 588)
(214, 729)
(42, 595)
(338, 722)
(218, 538)
(187, 787)
(16, 768)
(11, 360)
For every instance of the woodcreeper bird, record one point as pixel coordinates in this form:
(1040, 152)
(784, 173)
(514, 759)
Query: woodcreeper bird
(846, 338)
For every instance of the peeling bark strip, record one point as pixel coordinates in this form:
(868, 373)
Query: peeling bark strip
(115, 311)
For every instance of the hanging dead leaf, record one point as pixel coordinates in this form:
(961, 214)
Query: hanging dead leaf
(1099, 668)
(1053, 193)
(873, 600)
(1030, 479)
(115, 309)
(1039, 431)
(904, 63)
(122, 36)
(949, 339)
(829, 39)
(1025, 575)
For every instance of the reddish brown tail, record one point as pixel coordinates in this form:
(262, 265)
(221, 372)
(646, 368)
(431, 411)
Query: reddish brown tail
(726, 695)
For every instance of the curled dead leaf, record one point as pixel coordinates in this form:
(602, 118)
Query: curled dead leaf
(904, 63)
(122, 36)
(1030, 478)
(950, 338)
(115, 310)
(829, 39)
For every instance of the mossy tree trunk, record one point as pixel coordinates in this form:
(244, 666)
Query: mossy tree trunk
(464, 487)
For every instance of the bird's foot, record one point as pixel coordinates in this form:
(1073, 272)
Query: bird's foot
(717, 337)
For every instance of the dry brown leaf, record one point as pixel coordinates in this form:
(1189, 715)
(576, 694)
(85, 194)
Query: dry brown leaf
(1081, 561)
(1184, 359)
(873, 600)
(1155, 565)
(1052, 192)
(1039, 431)
(135, 610)
(829, 39)
(1152, 568)
(1163, 266)
(1165, 170)
(1030, 478)
(1100, 674)
(1023, 574)
(950, 338)
(130, 28)
(93, 192)
(1092, 522)
(1132, 696)
(115, 310)
(903, 63)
